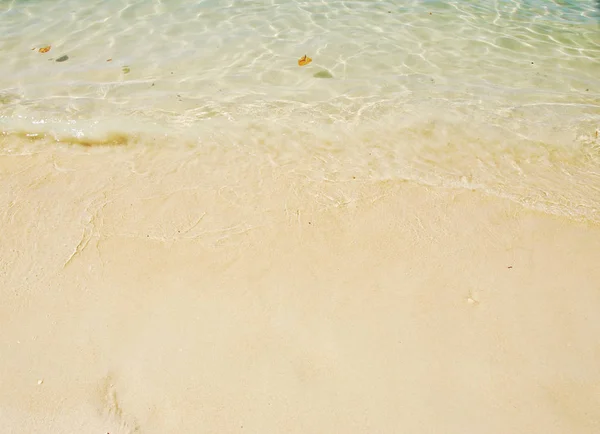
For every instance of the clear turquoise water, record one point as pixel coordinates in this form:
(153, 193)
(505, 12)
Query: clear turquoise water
(502, 96)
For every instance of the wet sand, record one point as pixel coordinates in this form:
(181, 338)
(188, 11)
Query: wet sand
(158, 291)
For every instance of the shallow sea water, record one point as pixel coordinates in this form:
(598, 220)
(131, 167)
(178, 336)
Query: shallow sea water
(499, 96)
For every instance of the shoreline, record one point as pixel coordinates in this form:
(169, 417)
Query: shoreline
(173, 298)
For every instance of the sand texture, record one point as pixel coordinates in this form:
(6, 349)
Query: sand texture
(150, 293)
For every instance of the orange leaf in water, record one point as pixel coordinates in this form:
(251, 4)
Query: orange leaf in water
(304, 60)
(45, 49)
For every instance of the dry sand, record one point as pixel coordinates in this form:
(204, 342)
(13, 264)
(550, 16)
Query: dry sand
(147, 291)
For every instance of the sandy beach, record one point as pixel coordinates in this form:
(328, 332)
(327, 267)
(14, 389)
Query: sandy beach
(292, 216)
(167, 293)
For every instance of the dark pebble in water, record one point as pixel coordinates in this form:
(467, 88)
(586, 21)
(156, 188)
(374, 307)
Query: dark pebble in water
(323, 74)
(62, 58)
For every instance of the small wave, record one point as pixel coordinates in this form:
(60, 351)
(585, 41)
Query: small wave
(546, 172)
(111, 139)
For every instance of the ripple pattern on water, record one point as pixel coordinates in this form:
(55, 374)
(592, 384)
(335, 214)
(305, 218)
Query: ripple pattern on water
(503, 95)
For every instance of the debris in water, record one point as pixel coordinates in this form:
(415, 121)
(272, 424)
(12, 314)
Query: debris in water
(323, 74)
(304, 60)
(62, 58)
(109, 60)
(126, 70)
(45, 49)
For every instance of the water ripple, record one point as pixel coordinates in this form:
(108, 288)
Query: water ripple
(502, 95)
